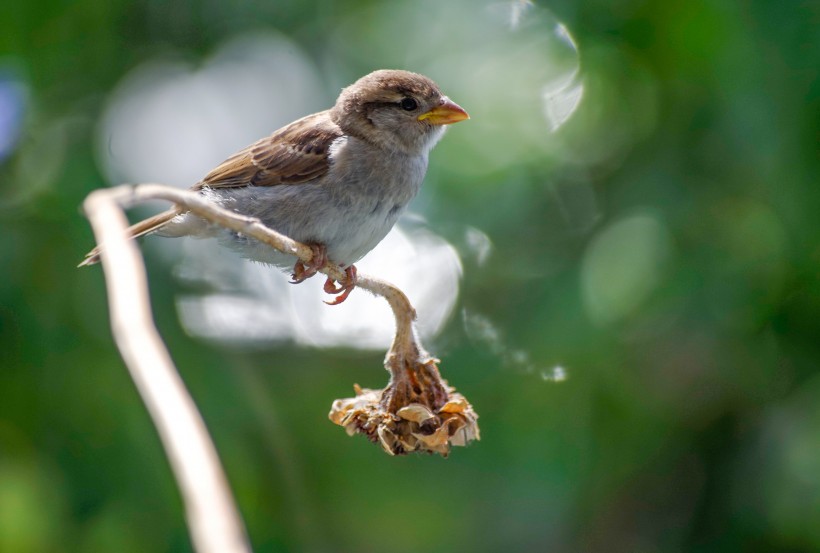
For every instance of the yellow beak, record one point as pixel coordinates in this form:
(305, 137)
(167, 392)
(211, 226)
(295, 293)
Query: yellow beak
(445, 113)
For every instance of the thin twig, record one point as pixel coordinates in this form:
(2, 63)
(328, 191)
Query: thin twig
(199, 205)
(212, 516)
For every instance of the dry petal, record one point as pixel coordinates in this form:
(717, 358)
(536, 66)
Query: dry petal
(415, 412)
(387, 439)
(437, 438)
(410, 443)
(461, 437)
(457, 405)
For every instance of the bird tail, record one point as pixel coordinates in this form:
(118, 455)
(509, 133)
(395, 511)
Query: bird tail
(135, 231)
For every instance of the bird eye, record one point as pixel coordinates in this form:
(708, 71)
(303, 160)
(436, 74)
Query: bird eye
(408, 104)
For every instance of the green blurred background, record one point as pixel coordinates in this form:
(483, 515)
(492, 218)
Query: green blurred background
(642, 341)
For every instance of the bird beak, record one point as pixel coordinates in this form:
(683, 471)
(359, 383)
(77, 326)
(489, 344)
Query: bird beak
(445, 113)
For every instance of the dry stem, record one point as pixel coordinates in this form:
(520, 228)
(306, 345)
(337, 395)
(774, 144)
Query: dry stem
(213, 519)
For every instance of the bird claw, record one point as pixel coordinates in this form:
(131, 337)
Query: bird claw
(343, 289)
(302, 272)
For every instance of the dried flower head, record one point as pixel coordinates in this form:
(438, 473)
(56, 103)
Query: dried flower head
(417, 411)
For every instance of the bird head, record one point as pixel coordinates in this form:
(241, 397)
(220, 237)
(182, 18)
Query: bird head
(396, 110)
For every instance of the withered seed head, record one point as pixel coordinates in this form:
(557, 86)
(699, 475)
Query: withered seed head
(402, 420)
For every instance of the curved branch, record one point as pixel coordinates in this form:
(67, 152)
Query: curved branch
(213, 519)
(403, 311)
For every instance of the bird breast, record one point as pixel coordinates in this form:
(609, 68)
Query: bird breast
(370, 193)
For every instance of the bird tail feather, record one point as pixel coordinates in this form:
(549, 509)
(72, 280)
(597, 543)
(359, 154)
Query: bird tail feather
(136, 230)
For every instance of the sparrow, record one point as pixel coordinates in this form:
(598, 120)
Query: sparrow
(337, 180)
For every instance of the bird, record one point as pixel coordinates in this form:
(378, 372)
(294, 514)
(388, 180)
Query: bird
(336, 180)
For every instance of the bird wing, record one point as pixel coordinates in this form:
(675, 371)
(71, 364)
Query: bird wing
(294, 154)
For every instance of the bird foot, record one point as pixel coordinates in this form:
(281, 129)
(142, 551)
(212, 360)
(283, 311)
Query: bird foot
(302, 272)
(343, 288)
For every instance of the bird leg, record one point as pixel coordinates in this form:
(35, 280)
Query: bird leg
(344, 288)
(302, 272)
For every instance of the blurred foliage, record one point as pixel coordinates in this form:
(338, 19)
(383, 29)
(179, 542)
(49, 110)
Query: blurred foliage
(663, 247)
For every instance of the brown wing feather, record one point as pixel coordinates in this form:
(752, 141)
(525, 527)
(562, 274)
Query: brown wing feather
(294, 154)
